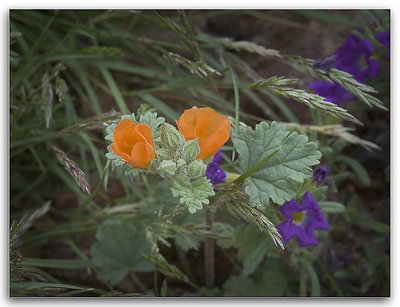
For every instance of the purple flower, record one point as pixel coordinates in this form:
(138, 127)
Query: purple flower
(326, 64)
(333, 92)
(320, 174)
(384, 39)
(302, 220)
(354, 57)
(214, 172)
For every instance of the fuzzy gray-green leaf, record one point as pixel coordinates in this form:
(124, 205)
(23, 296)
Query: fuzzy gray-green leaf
(154, 121)
(193, 195)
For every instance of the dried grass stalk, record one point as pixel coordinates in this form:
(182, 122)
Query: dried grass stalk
(73, 169)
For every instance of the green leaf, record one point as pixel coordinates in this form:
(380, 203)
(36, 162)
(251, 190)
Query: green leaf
(34, 284)
(193, 194)
(276, 178)
(319, 192)
(331, 207)
(315, 285)
(119, 249)
(271, 283)
(238, 285)
(56, 263)
(360, 171)
(161, 106)
(225, 235)
(114, 89)
(253, 246)
(328, 17)
(154, 121)
(370, 223)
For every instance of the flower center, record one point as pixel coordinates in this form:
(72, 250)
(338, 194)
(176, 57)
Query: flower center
(364, 63)
(298, 217)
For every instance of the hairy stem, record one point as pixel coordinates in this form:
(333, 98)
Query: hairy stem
(209, 250)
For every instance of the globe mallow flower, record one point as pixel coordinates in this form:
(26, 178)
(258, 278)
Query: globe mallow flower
(133, 142)
(211, 128)
(302, 220)
(214, 172)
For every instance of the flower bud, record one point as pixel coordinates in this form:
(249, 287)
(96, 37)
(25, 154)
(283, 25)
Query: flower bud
(167, 168)
(170, 137)
(180, 163)
(191, 149)
(196, 169)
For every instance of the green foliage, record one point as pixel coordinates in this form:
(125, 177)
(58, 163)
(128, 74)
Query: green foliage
(118, 249)
(167, 269)
(273, 279)
(154, 121)
(237, 205)
(357, 167)
(226, 235)
(69, 69)
(276, 179)
(278, 86)
(193, 194)
(198, 68)
(331, 207)
(252, 247)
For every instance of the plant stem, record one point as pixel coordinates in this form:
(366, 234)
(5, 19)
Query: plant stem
(255, 167)
(303, 285)
(209, 250)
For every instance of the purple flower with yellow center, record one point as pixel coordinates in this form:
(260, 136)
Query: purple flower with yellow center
(214, 172)
(384, 39)
(354, 57)
(320, 174)
(302, 220)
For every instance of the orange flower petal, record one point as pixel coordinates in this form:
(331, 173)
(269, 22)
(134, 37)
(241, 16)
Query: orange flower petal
(125, 135)
(133, 143)
(209, 146)
(145, 131)
(141, 155)
(211, 128)
(115, 149)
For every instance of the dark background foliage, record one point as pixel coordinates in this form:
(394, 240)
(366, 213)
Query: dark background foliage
(113, 60)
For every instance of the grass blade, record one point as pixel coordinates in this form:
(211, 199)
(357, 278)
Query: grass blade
(114, 89)
(161, 106)
(56, 263)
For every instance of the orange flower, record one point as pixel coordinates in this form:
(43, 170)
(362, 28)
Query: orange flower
(134, 143)
(211, 128)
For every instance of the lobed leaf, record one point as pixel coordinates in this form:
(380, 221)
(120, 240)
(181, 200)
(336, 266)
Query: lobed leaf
(118, 250)
(195, 194)
(277, 177)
